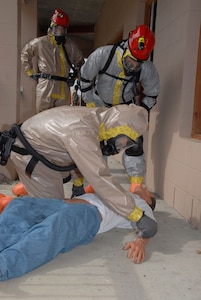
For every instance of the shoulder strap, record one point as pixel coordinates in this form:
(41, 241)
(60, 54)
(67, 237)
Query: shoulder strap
(110, 57)
(68, 59)
(136, 76)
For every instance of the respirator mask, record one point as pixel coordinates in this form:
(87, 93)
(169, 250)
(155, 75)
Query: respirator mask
(59, 33)
(130, 63)
(115, 145)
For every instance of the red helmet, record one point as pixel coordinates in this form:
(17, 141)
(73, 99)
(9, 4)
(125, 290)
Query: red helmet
(60, 18)
(141, 42)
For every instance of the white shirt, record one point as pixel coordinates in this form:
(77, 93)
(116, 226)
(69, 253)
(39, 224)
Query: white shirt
(110, 219)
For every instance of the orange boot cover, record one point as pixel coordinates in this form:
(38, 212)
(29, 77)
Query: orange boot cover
(4, 202)
(89, 189)
(19, 190)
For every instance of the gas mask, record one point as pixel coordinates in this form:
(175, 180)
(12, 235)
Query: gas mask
(60, 39)
(131, 65)
(59, 33)
(115, 145)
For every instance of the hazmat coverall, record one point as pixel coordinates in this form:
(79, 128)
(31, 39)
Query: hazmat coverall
(67, 135)
(113, 87)
(51, 60)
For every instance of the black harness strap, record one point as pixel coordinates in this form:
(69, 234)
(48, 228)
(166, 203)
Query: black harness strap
(83, 90)
(53, 77)
(84, 79)
(67, 179)
(69, 62)
(38, 156)
(86, 89)
(110, 105)
(7, 139)
(110, 57)
(20, 150)
(31, 165)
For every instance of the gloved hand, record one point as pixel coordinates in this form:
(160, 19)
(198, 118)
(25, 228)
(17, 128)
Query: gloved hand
(134, 186)
(31, 74)
(77, 190)
(34, 76)
(147, 226)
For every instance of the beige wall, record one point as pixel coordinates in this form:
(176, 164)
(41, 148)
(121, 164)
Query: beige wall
(116, 19)
(9, 65)
(86, 46)
(28, 32)
(174, 161)
(17, 90)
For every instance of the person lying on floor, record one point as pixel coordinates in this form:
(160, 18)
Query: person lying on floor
(33, 231)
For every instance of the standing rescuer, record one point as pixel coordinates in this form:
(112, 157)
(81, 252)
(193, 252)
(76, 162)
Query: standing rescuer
(123, 74)
(58, 62)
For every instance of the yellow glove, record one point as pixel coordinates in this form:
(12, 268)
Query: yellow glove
(32, 75)
(30, 72)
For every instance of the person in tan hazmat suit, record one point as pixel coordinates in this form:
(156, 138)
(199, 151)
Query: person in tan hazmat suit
(123, 74)
(83, 136)
(58, 62)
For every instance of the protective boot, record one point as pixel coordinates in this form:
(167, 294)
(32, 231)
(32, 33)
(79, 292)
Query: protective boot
(4, 200)
(77, 191)
(78, 187)
(19, 190)
(89, 189)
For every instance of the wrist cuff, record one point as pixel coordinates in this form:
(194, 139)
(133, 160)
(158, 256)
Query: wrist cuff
(30, 72)
(91, 104)
(135, 215)
(136, 179)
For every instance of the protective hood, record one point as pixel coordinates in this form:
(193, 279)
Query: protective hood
(130, 120)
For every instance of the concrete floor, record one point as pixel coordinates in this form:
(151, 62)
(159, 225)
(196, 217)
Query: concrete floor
(101, 270)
